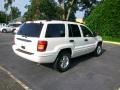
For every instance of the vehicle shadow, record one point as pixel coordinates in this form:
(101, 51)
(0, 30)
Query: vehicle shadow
(83, 58)
(76, 61)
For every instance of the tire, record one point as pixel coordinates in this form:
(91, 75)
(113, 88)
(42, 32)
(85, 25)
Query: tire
(13, 30)
(62, 62)
(4, 31)
(98, 50)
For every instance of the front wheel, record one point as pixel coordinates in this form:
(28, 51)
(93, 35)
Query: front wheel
(98, 50)
(13, 30)
(62, 62)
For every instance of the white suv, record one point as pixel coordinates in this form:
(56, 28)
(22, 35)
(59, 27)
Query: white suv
(55, 42)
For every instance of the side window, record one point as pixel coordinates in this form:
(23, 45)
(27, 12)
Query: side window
(14, 25)
(74, 30)
(55, 30)
(86, 31)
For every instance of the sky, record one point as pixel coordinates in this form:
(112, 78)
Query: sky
(18, 3)
(21, 5)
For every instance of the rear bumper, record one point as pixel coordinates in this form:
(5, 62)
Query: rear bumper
(35, 57)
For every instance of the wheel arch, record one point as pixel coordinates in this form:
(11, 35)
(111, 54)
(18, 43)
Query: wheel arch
(100, 43)
(67, 50)
(56, 63)
(4, 29)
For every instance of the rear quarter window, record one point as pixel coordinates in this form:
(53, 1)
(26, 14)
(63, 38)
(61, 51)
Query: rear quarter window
(30, 29)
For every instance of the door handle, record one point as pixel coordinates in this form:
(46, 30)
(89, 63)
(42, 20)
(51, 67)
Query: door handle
(85, 39)
(71, 41)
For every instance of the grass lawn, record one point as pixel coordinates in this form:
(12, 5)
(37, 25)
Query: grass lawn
(108, 38)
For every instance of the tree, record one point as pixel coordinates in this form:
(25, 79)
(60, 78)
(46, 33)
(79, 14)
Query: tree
(42, 9)
(2, 17)
(88, 6)
(8, 3)
(15, 12)
(69, 7)
(49, 9)
(104, 19)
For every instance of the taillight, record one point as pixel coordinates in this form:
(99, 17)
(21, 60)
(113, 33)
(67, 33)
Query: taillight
(42, 45)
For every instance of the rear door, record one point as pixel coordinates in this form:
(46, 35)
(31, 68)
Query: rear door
(27, 37)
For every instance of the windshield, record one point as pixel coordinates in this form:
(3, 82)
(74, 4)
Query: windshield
(30, 29)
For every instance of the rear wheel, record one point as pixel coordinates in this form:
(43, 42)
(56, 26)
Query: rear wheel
(4, 31)
(62, 62)
(98, 50)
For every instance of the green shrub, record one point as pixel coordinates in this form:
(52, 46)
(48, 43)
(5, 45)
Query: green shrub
(105, 19)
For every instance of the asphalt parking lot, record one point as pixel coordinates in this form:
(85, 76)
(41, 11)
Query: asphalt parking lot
(87, 72)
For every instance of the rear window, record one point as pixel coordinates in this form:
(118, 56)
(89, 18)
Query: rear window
(30, 29)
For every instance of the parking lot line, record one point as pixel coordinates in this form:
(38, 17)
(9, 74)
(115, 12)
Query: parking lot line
(14, 78)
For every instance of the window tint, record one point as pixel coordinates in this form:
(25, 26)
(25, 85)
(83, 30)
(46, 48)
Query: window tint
(86, 31)
(9, 25)
(16, 25)
(12, 25)
(30, 29)
(74, 30)
(55, 30)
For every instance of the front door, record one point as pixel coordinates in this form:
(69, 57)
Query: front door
(89, 38)
(76, 39)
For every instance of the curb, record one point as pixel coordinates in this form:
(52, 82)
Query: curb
(110, 42)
